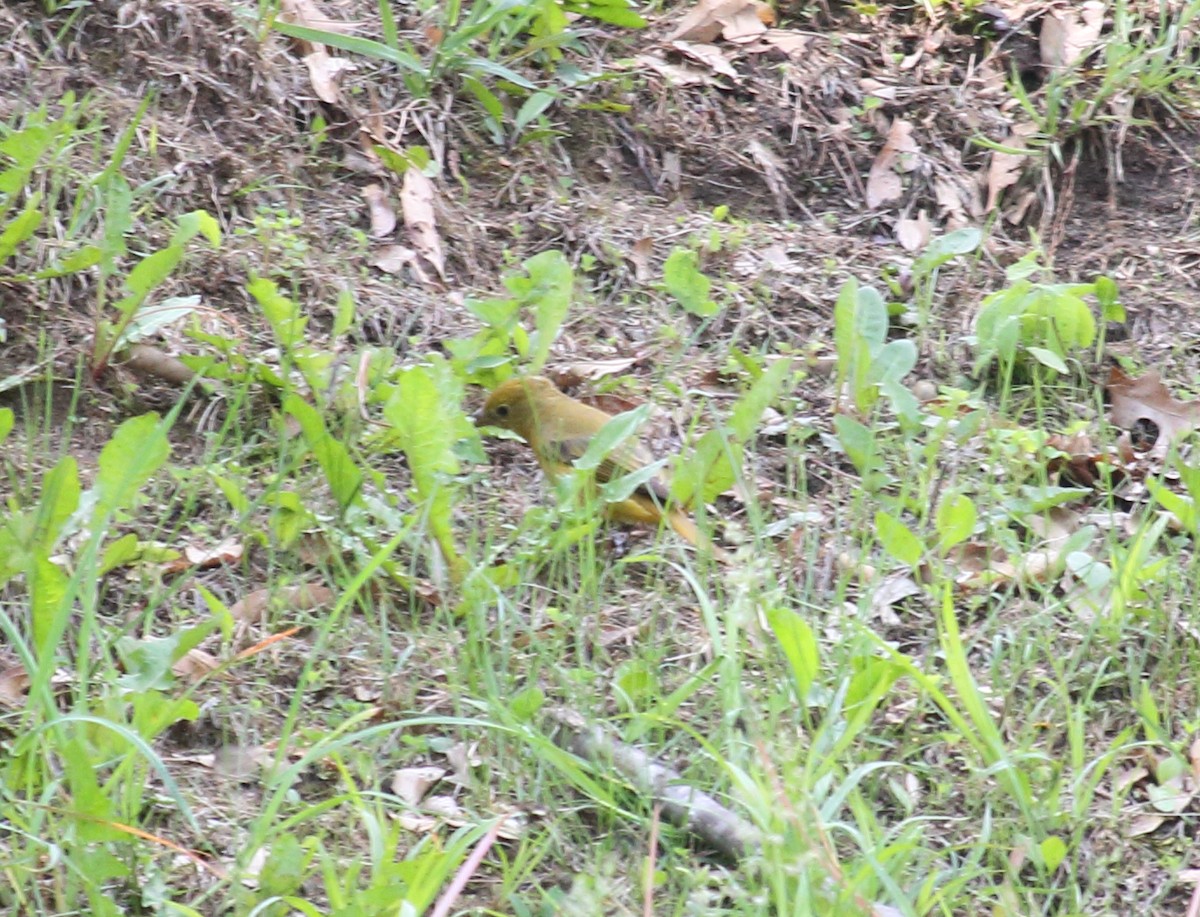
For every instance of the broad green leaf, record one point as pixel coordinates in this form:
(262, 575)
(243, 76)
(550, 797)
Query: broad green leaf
(136, 451)
(534, 106)
(550, 286)
(897, 539)
(147, 662)
(282, 313)
(708, 470)
(944, 248)
(344, 477)
(747, 413)
(799, 646)
(1049, 359)
(611, 435)
(858, 442)
(424, 411)
(121, 552)
(955, 521)
(59, 499)
(7, 418)
(687, 283)
(526, 704)
(22, 227)
(48, 587)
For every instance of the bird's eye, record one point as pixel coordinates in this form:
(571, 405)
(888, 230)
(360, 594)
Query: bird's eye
(502, 410)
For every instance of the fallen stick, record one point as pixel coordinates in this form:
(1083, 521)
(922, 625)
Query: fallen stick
(684, 806)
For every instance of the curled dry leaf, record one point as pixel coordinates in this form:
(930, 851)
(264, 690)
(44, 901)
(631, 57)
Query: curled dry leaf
(195, 664)
(913, 235)
(593, 370)
(310, 14)
(1005, 168)
(14, 682)
(253, 606)
(1136, 402)
(708, 55)
(675, 74)
(794, 44)
(229, 551)
(412, 784)
(393, 258)
(383, 217)
(733, 20)
(417, 203)
(323, 72)
(898, 155)
(1068, 32)
(639, 256)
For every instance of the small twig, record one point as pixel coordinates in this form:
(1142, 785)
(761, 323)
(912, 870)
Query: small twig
(463, 876)
(651, 862)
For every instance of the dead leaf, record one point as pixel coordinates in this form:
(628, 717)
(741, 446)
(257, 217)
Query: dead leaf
(14, 682)
(411, 784)
(733, 20)
(309, 13)
(393, 258)
(323, 72)
(1069, 32)
(1146, 400)
(593, 370)
(417, 203)
(894, 589)
(1005, 168)
(195, 664)
(675, 74)
(383, 217)
(253, 606)
(229, 551)
(898, 155)
(913, 235)
(639, 256)
(708, 55)
(794, 44)
(1146, 823)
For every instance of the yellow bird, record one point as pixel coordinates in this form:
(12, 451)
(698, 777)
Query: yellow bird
(559, 429)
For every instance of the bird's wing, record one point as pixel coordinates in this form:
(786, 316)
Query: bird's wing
(623, 460)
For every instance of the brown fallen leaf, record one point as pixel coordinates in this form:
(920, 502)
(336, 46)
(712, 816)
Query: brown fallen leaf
(417, 198)
(1005, 168)
(898, 154)
(733, 20)
(393, 258)
(323, 72)
(709, 55)
(1068, 32)
(412, 784)
(14, 682)
(253, 606)
(195, 664)
(383, 217)
(1146, 400)
(229, 551)
(913, 234)
(676, 74)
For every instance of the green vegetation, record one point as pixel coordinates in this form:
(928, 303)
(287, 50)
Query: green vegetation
(294, 637)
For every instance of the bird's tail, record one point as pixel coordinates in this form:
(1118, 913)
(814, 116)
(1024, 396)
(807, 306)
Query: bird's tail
(686, 529)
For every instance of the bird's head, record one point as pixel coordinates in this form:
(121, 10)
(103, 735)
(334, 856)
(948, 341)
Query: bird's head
(514, 404)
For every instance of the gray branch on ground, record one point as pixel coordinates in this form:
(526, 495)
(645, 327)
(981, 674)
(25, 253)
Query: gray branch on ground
(684, 806)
